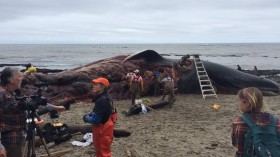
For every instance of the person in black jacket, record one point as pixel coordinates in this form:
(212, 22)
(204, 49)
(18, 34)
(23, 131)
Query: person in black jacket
(102, 118)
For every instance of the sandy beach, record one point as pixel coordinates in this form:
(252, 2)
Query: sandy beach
(190, 129)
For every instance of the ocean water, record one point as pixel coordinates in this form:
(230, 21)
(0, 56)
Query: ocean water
(67, 56)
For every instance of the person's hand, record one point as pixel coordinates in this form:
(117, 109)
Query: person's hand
(3, 152)
(59, 108)
(85, 117)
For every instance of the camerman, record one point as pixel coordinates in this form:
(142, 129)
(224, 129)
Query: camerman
(12, 116)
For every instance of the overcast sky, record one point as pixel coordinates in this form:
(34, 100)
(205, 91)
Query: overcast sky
(139, 21)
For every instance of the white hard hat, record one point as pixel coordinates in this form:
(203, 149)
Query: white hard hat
(136, 71)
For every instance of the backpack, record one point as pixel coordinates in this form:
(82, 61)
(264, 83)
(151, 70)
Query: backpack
(136, 78)
(157, 74)
(57, 134)
(261, 141)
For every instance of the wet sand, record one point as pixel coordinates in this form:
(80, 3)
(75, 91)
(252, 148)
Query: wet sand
(190, 129)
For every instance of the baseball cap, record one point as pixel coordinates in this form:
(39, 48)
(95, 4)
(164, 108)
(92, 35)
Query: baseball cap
(136, 71)
(101, 80)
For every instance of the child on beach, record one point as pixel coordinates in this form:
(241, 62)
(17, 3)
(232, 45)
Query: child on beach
(252, 107)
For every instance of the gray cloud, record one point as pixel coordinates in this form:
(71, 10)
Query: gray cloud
(145, 21)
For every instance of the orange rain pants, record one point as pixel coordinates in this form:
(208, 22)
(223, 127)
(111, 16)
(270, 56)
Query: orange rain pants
(102, 137)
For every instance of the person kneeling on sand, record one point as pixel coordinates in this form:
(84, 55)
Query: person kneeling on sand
(168, 89)
(103, 118)
(252, 108)
(30, 69)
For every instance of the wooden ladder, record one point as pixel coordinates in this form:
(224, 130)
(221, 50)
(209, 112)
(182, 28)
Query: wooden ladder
(206, 86)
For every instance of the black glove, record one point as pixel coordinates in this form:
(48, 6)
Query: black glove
(85, 117)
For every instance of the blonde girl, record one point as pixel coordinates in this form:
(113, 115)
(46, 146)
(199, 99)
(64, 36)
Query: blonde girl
(250, 102)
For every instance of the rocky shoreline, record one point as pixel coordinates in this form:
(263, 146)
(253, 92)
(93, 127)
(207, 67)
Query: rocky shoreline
(273, 74)
(39, 70)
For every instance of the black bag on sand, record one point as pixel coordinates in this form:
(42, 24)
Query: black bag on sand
(56, 133)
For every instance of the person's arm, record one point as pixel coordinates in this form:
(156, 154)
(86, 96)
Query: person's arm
(96, 116)
(27, 71)
(92, 118)
(127, 75)
(130, 84)
(3, 152)
(1, 146)
(173, 73)
(142, 85)
(278, 125)
(239, 130)
(2, 149)
(51, 107)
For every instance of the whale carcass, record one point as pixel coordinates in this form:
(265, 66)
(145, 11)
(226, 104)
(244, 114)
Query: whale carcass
(76, 83)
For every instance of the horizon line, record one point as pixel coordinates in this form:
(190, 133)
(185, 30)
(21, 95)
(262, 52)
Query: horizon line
(136, 43)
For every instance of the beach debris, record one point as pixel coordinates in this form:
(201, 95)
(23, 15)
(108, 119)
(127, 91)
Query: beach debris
(56, 132)
(136, 109)
(88, 141)
(88, 128)
(149, 108)
(58, 153)
(144, 110)
(73, 130)
(50, 145)
(215, 107)
(213, 146)
(128, 152)
(146, 100)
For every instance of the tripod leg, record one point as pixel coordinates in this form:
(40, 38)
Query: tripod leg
(33, 144)
(40, 134)
(26, 145)
(29, 148)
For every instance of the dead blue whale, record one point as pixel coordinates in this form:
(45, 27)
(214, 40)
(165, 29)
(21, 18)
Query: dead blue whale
(224, 79)
(76, 83)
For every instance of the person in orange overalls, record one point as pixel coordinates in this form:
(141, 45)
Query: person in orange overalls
(136, 86)
(103, 118)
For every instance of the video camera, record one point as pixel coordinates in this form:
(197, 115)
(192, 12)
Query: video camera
(34, 101)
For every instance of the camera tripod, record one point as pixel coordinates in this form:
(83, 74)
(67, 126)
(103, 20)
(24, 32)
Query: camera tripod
(30, 138)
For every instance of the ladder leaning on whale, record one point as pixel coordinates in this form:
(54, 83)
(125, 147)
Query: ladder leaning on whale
(225, 79)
